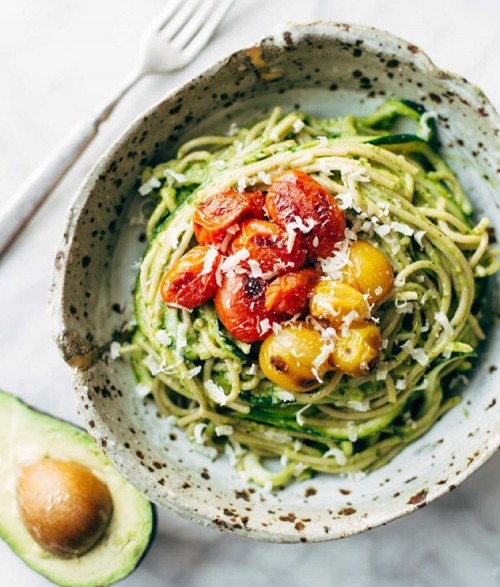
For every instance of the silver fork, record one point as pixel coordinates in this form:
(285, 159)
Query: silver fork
(171, 42)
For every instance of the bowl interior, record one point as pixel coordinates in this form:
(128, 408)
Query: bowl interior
(327, 70)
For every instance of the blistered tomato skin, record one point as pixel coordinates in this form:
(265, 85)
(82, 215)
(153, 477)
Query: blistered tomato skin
(268, 244)
(294, 194)
(240, 306)
(287, 358)
(370, 271)
(289, 294)
(217, 213)
(189, 283)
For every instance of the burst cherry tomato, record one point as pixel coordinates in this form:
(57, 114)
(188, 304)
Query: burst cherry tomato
(293, 195)
(270, 246)
(217, 213)
(240, 305)
(190, 281)
(288, 295)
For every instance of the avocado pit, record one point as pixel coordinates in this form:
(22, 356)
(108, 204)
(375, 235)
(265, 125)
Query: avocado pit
(63, 505)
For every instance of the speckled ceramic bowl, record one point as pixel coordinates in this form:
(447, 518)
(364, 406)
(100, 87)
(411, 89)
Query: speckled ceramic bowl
(325, 69)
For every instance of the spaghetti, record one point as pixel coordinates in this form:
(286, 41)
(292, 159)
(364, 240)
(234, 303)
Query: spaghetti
(397, 193)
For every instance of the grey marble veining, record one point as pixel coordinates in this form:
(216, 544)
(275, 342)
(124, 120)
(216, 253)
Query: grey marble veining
(59, 60)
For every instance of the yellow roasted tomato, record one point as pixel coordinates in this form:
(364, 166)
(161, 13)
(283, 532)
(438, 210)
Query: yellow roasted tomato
(357, 352)
(370, 271)
(332, 301)
(294, 357)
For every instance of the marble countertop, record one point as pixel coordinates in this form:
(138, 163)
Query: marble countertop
(60, 60)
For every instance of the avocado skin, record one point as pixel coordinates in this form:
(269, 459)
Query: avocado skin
(104, 564)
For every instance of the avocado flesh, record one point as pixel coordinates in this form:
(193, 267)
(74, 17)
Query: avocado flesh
(27, 436)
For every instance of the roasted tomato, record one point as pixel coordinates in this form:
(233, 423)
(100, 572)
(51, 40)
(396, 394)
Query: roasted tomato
(288, 295)
(217, 213)
(190, 281)
(270, 246)
(240, 305)
(294, 197)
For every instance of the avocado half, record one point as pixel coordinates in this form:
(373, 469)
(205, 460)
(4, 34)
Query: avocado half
(28, 436)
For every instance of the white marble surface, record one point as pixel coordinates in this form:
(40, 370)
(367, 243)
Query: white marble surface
(59, 60)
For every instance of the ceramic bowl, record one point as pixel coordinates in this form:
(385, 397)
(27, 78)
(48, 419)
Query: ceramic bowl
(325, 69)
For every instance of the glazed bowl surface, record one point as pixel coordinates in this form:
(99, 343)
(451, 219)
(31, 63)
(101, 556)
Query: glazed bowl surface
(325, 69)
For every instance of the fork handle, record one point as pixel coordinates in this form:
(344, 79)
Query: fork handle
(29, 199)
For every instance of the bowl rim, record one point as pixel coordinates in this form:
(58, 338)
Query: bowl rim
(177, 503)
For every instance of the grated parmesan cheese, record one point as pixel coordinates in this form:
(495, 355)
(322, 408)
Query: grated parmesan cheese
(359, 175)
(198, 433)
(347, 321)
(264, 326)
(208, 262)
(345, 200)
(255, 268)
(215, 392)
(314, 371)
(163, 337)
(337, 453)
(402, 228)
(284, 396)
(382, 370)
(114, 350)
(252, 370)
(178, 177)
(326, 351)
(276, 327)
(352, 433)
(419, 235)
(142, 390)
(442, 318)
(264, 177)
(181, 336)
(298, 125)
(323, 141)
(152, 364)
(358, 406)
(231, 265)
(420, 356)
(350, 235)
(230, 232)
(424, 123)
(224, 430)
(193, 372)
(233, 130)
(400, 383)
(383, 230)
(298, 416)
(148, 186)
(242, 184)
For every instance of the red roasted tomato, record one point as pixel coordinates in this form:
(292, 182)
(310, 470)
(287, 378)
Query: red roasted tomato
(217, 213)
(288, 295)
(294, 194)
(269, 245)
(240, 305)
(190, 281)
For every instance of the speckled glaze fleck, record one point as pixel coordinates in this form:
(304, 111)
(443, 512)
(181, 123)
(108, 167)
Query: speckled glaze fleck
(326, 69)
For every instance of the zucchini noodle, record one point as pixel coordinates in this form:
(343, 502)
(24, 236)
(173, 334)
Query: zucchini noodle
(398, 194)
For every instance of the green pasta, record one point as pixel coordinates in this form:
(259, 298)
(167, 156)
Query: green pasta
(397, 193)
